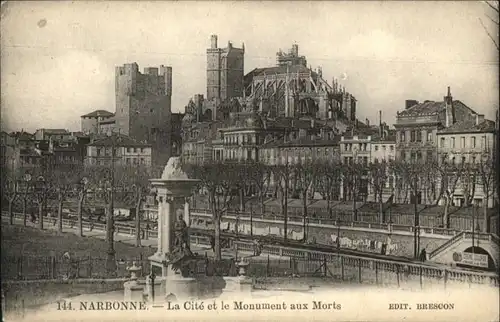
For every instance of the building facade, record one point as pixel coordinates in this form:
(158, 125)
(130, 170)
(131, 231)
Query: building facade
(470, 146)
(52, 134)
(421, 128)
(121, 149)
(417, 126)
(90, 123)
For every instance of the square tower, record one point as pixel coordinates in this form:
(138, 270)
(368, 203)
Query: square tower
(143, 107)
(225, 71)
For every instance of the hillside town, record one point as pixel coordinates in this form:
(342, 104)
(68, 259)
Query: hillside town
(283, 115)
(273, 161)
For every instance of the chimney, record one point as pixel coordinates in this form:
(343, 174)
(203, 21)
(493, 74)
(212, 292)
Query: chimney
(367, 122)
(410, 103)
(213, 41)
(479, 118)
(380, 129)
(449, 110)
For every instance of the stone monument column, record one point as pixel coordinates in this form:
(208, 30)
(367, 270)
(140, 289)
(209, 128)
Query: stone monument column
(174, 188)
(187, 217)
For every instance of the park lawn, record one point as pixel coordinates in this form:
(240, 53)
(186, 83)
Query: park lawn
(35, 247)
(29, 241)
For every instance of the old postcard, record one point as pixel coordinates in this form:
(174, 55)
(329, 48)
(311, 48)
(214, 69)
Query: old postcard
(249, 161)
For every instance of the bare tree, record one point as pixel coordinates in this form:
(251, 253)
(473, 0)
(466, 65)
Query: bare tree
(42, 189)
(468, 182)
(64, 180)
(377, 173)
(305, 174)
(260, 176)
(411, 173)
(10, 190)
(137, 179)
(329, 181)
(282, 174)
(487, 176)
(243, 172)
(493, 6)
(218, 179)
(449, 175)
(351, 177)
(429, 182)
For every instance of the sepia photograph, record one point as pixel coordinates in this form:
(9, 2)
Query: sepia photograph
(249, 160)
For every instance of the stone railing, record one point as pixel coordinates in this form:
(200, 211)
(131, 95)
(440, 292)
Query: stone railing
(427, 271)
(446, 245)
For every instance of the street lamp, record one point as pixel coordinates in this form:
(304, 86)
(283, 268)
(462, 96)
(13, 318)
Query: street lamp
(40, 190)
(83, 183)
(339, 222)
(27, 180)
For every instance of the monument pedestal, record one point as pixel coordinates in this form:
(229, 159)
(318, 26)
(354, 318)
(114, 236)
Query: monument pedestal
(241, 284)
(183, 288)
(173, 190)
(134, 291)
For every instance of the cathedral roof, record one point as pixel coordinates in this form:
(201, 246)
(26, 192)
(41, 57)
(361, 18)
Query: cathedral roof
(98, 113)
(279, 70)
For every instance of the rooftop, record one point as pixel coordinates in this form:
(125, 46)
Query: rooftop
(303, 142)
(98, 113)
(54, 131)
(428, 108)
(278, 70)
(470, 126)
(118, 140)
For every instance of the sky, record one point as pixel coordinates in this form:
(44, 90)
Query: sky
(58, 59)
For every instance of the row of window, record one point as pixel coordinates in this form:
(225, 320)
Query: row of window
(235, 138)
(364, 147)
(130, 161)
(454, 160)
(463, 142)
(361, 146)
(66, 158)
(361, 160)
(135, 161)
(107, 151)
(416, 156)
(384, 148)
(135, 150)
(415, 136)
(297, 152)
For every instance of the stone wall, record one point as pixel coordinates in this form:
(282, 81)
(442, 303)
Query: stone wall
(398, 243)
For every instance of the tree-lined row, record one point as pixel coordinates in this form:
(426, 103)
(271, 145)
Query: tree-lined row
(224, 183)
(105, 185)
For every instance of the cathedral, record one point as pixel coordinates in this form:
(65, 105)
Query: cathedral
(273, 95)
